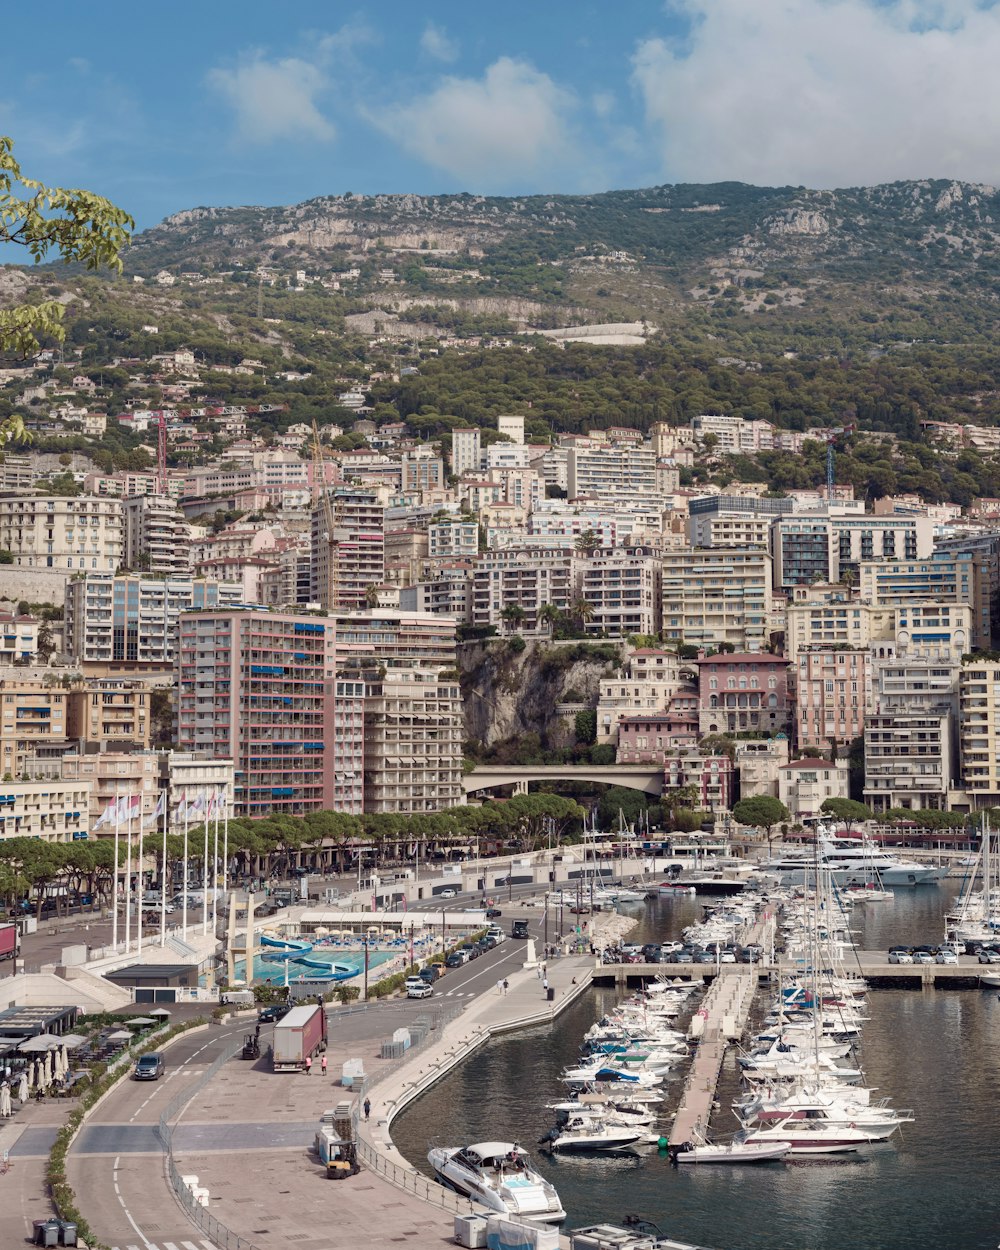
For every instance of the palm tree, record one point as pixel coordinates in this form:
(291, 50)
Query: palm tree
(549, 615)
(513, 614)
(582, 611)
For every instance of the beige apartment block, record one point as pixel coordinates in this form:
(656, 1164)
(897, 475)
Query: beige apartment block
(717, 595)
(61, 534)
(52, 811)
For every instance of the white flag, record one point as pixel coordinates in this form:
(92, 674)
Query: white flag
(107, 817)
(161, 804)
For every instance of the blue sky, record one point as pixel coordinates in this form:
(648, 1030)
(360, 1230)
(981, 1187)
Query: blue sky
(167, 107)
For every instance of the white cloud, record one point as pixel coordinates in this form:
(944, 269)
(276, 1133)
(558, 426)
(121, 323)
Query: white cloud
(274, 99)
(826, 92)
(510, 127)
(437, 44)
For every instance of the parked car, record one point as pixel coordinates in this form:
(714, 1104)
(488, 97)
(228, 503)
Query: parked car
(727, 957)
(431, 973)
(274, 1013)
(449, 893)
(923, 957)
(683, 957)
(900, 957)
(946, 957)
(987, 956)
(706, 957)
(419, 989)
(149, 1067)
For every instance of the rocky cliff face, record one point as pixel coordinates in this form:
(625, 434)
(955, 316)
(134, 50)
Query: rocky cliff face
(508, 695)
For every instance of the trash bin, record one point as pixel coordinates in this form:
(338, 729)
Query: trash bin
(550, 994)
(67, 1233)
(47, 1232)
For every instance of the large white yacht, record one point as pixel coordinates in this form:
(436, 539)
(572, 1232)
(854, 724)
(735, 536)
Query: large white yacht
(500, 1176)
(849, 861)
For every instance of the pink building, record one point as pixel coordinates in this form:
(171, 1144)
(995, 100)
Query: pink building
(742, 692)
(712, 777)
(260, 688)
(833, 688)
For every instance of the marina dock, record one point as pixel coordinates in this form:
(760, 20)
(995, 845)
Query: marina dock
(719, 1021)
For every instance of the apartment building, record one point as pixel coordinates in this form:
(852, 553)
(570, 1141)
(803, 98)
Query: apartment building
(834, 621)
(743, 692)
(413, 735)
(448, 593)
(62, 534)
(157, 537)
(757, 761)
(910, 736)
(511, 426)
(717, 595)
(712, 777)
(347, 784)
(349, 560)
(452, 540)
(129, 623)
(619, 469)
(51, 811)
(110, 776)
(421, 473)
(979, 730)
(258, 688)
(528, 578)
(109, 713)
(649, 679)
(734, 520)
(466, 451)
(621, 586)
(945, 577)
(33, 719)
(805, 785)
(733, 434)
(824, 548)
(18, 638)
(393, 638)
(833, 690)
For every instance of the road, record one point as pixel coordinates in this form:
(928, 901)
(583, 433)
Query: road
(116, 1164)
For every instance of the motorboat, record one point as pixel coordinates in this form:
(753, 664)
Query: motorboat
(583, 1132)
(603, 1071)
(990, 980)
(731, 1152)
(498, 1175)
(849, 861)
(807, 1137)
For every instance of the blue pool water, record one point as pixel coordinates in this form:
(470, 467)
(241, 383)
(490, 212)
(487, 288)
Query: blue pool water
(274, 970)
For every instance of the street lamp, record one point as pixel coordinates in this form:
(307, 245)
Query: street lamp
(545, 926)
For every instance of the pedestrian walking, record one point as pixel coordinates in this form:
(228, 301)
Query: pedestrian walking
(538, 971)
(506, 985)
(545, 984)
(322, 1064)
(368, 1108)
(309, 1065)
(500, 986)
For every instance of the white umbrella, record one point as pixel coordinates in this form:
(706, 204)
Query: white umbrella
(141, 1022)
(43, 1075)
(120, 1035)
(5, 1104)
(58, 1067)
(160, 1011)
(22, 1089)
(70, 1041)
(40, 1042)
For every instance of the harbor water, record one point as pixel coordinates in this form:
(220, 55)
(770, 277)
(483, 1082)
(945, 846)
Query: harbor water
(932, 1187)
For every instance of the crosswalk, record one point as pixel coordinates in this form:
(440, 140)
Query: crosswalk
(168, 1245)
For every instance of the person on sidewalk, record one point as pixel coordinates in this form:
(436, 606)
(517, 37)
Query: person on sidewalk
(506, 985)
(545, 985)
(368, 1108)
(322, 1065)
(309, 1065)
(500, 986)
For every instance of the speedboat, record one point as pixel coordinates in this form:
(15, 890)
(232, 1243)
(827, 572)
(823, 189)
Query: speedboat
(500, 1176)
(807, 1137)
(729, 1152)
(583, 1132)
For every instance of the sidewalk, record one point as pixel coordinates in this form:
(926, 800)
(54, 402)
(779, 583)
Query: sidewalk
(27, 1138)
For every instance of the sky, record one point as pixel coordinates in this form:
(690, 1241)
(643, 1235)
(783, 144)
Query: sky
(220, 102)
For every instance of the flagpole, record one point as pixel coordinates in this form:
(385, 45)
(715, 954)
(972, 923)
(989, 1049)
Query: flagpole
(114, 891)
(138, 909)
(225, 841)
(128, 876)
(184, 908)
(164, 798)
(204, 895)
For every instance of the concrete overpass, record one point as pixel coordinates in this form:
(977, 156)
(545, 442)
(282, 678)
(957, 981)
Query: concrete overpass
(645, 777)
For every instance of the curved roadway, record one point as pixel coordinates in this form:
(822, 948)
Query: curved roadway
(248, 1116)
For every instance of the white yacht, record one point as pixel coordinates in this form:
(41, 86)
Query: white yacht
(500, 1176)
(849, 861)
(583, 1132)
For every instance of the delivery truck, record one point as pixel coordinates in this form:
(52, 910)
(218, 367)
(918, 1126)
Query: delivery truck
(297, 1036)
(8, 941)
